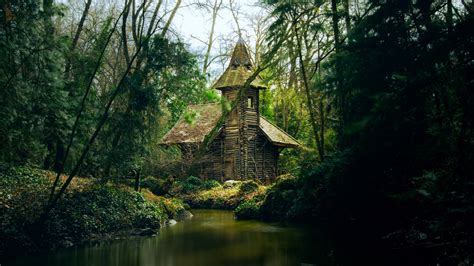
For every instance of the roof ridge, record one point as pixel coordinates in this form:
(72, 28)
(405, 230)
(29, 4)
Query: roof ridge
(279, 128)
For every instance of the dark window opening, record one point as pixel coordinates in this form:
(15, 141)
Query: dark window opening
(250, 102)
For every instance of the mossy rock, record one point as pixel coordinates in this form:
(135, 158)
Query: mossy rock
(209, 184)
(194, 181)
(155, 185)
(248, 210)
(248, 186)
(231, 183)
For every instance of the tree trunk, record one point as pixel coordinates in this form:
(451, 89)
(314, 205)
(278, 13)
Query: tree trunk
(347, 16)
(137, 181)
(89, 143)
(173, 13)
(340, 94)
(215, 10)
(310, 104)
(79, 114)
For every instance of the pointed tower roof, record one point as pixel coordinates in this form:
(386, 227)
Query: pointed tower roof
(239, 70)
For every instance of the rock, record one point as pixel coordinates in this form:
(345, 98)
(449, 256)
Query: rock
(231, 183)
(144, 232)
(183, 215)
(67, 242)
(171, 222)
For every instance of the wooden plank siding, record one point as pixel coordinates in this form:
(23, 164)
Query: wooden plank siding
(242, 151)
(248, 145)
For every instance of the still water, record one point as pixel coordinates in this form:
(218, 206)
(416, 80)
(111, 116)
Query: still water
(211, 237)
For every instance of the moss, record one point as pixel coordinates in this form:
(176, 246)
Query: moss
(248, 210)
(279, 199)
(248, 186)
(155, 185)
(86, 211)
(216, 198)
(224, 197)
(211, 183)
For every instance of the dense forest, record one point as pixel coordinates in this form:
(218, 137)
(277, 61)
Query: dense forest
(378, 93)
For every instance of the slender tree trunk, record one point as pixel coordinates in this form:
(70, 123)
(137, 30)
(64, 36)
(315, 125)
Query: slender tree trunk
(449, 16)
(90, 142)
(347, 15)
(137, 181)
(340, 97)
(173, 13)
(75, 40)
(79, 113)
(210, 41)
(335, 24)
(312, 114)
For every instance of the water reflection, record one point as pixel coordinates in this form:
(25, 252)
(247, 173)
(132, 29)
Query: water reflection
(210, 238)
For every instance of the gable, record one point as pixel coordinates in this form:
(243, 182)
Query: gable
(206, 118)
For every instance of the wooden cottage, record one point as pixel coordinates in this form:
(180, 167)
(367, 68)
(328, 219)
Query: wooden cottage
(247, 145)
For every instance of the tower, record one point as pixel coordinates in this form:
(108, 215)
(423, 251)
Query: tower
(241, 127)
(247, 145)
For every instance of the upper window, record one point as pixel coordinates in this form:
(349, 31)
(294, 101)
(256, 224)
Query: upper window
(250, 102)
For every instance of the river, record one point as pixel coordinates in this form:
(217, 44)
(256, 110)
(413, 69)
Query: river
(211, 237)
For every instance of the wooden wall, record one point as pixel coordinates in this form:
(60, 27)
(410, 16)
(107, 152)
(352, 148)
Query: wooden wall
(241, 151)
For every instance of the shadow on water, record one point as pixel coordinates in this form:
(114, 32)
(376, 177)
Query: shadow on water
(213, 237)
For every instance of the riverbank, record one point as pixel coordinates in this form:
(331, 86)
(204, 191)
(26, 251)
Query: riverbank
(211, 237)
(226, 196)
(88, 212)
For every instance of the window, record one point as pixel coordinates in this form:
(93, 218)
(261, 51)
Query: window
(250, 102)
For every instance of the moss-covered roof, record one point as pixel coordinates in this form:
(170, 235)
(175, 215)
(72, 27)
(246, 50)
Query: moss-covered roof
(276, 135)
(239, 70)
(198, 121)
(195, 123)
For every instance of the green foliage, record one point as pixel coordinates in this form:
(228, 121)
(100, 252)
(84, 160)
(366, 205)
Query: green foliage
(159, 187)
(44, 80)
(168, 82)
(248, 186)
(18, 185)
(279, 199)
(193, 181)
(401, 103)
(216, 198)
(191, 116)
(211, 194)
(102, 210)
(189, 185)
(86, 211)
(209, 184)
(33, 101)
(249, 209)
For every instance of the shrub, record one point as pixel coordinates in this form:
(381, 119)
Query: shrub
(155, 185)
(248, 210)
(99, 210)
(83, 212)
(209, 184)
(248, 186)
(191, 184)
(193, 181)
(280, 199)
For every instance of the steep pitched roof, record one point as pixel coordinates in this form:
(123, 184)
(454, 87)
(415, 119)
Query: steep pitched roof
(205, 119)
(276, 135)
(239, 70)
